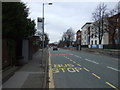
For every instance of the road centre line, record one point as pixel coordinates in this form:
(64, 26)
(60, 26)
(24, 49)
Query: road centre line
(96, 76)
(74, 62)
(91, 61)
(77, 56)
(68, 58)
(111, 85)
(80, 57)
(113, 68)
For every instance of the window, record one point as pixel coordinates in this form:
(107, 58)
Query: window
(92, 36)
(92, 42)
(117, 20)
(95, 41)
(95, 36)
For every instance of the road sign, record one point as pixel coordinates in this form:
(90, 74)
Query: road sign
(39, 23)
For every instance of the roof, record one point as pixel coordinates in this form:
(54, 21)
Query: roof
(78, 31)
(116, 15)
(86, 23)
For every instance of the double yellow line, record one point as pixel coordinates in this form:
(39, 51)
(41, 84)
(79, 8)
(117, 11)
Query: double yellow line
(51, 83)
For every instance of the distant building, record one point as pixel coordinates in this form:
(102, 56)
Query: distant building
(86, 33)
(78, 39)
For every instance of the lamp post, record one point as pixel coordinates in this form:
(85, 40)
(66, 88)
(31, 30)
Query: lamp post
(43, 37)
(43, 23)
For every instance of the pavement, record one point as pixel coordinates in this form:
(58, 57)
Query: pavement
(108, 52)
(34, 74)
(72, 69)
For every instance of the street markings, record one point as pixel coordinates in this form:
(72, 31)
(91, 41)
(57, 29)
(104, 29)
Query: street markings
(91, 61)
(86, 69)
(96, 76)
(80, 57)
(57, 68)
(65, 68)
(74, 62)
(51, 83)
(62, 65)
(71, 70)
(77, 56)
(78, 64)
(112, 68)
(111, 85)
(67, 58)
(60, 54)
(78, 69)
(71, 54)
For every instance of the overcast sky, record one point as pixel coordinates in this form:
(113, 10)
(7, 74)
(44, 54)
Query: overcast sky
(62, 15)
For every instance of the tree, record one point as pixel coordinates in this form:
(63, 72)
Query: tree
(46, 39)
(68, 37)
(30, 28)
(70, 34)
(99, 18)
(15, 23)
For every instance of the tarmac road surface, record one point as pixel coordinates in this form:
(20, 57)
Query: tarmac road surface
(72, 69)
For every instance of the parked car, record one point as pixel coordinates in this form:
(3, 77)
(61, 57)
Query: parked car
(55, 48)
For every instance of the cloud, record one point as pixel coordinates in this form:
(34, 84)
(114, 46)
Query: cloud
(63, 15)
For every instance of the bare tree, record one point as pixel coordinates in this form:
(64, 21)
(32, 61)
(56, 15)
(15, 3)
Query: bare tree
(99, 18)
(67, 37)
(70, 36)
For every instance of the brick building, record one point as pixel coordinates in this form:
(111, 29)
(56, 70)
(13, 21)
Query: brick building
(114, 29)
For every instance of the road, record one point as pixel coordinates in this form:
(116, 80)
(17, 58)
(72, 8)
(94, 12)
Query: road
(73, 69)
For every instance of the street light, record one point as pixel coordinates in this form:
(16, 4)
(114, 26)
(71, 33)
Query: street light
(43, 22)
(43, 28)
